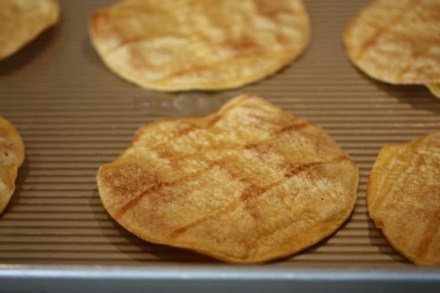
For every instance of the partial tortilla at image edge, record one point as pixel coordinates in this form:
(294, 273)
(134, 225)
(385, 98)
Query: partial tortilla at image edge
(378, 173)
(386, 44)
(33, 32)
(16, 146)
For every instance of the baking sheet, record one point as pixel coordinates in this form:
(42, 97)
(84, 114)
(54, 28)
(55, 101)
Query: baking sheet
(75, 115)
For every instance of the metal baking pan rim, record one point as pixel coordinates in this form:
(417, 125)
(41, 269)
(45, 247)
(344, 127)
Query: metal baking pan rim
(209, 272)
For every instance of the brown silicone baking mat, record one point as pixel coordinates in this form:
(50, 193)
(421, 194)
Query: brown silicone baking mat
(75, 115)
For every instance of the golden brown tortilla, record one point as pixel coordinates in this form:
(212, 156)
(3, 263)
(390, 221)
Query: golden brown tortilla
(397, 41)
(207, 44)
(247, 184)
(403, 198)
(11, 157)
(23, 20)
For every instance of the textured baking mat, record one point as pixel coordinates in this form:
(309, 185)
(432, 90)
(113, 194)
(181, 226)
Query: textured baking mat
(75, 115)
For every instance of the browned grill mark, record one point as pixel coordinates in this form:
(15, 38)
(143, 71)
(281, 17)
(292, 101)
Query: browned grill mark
(214, 120)
(251, 146)
(295, 169)
(118, 214)
(245, 195)
(231, 60)
(157, 187)
(252, 192)
(179, 231)
(249, 193)
(191, 127)
(137, 199)
(238, 54)
(244, 44)
(123, 42)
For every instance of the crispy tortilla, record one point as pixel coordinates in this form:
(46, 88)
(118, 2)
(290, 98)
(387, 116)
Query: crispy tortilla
(403, 198)
(397, 41)
(23, 20)
(11, 158)
(182, 45)
(247, 184)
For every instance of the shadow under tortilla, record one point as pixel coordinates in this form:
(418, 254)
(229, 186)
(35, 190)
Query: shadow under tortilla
(418, 96)
(90, 53)
(27, 53)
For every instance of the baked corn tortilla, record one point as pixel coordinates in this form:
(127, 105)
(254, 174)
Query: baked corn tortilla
(172, 45)
(23, 20)
(397, 41)
(403, 198)
(11, 158)
(247, 184)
